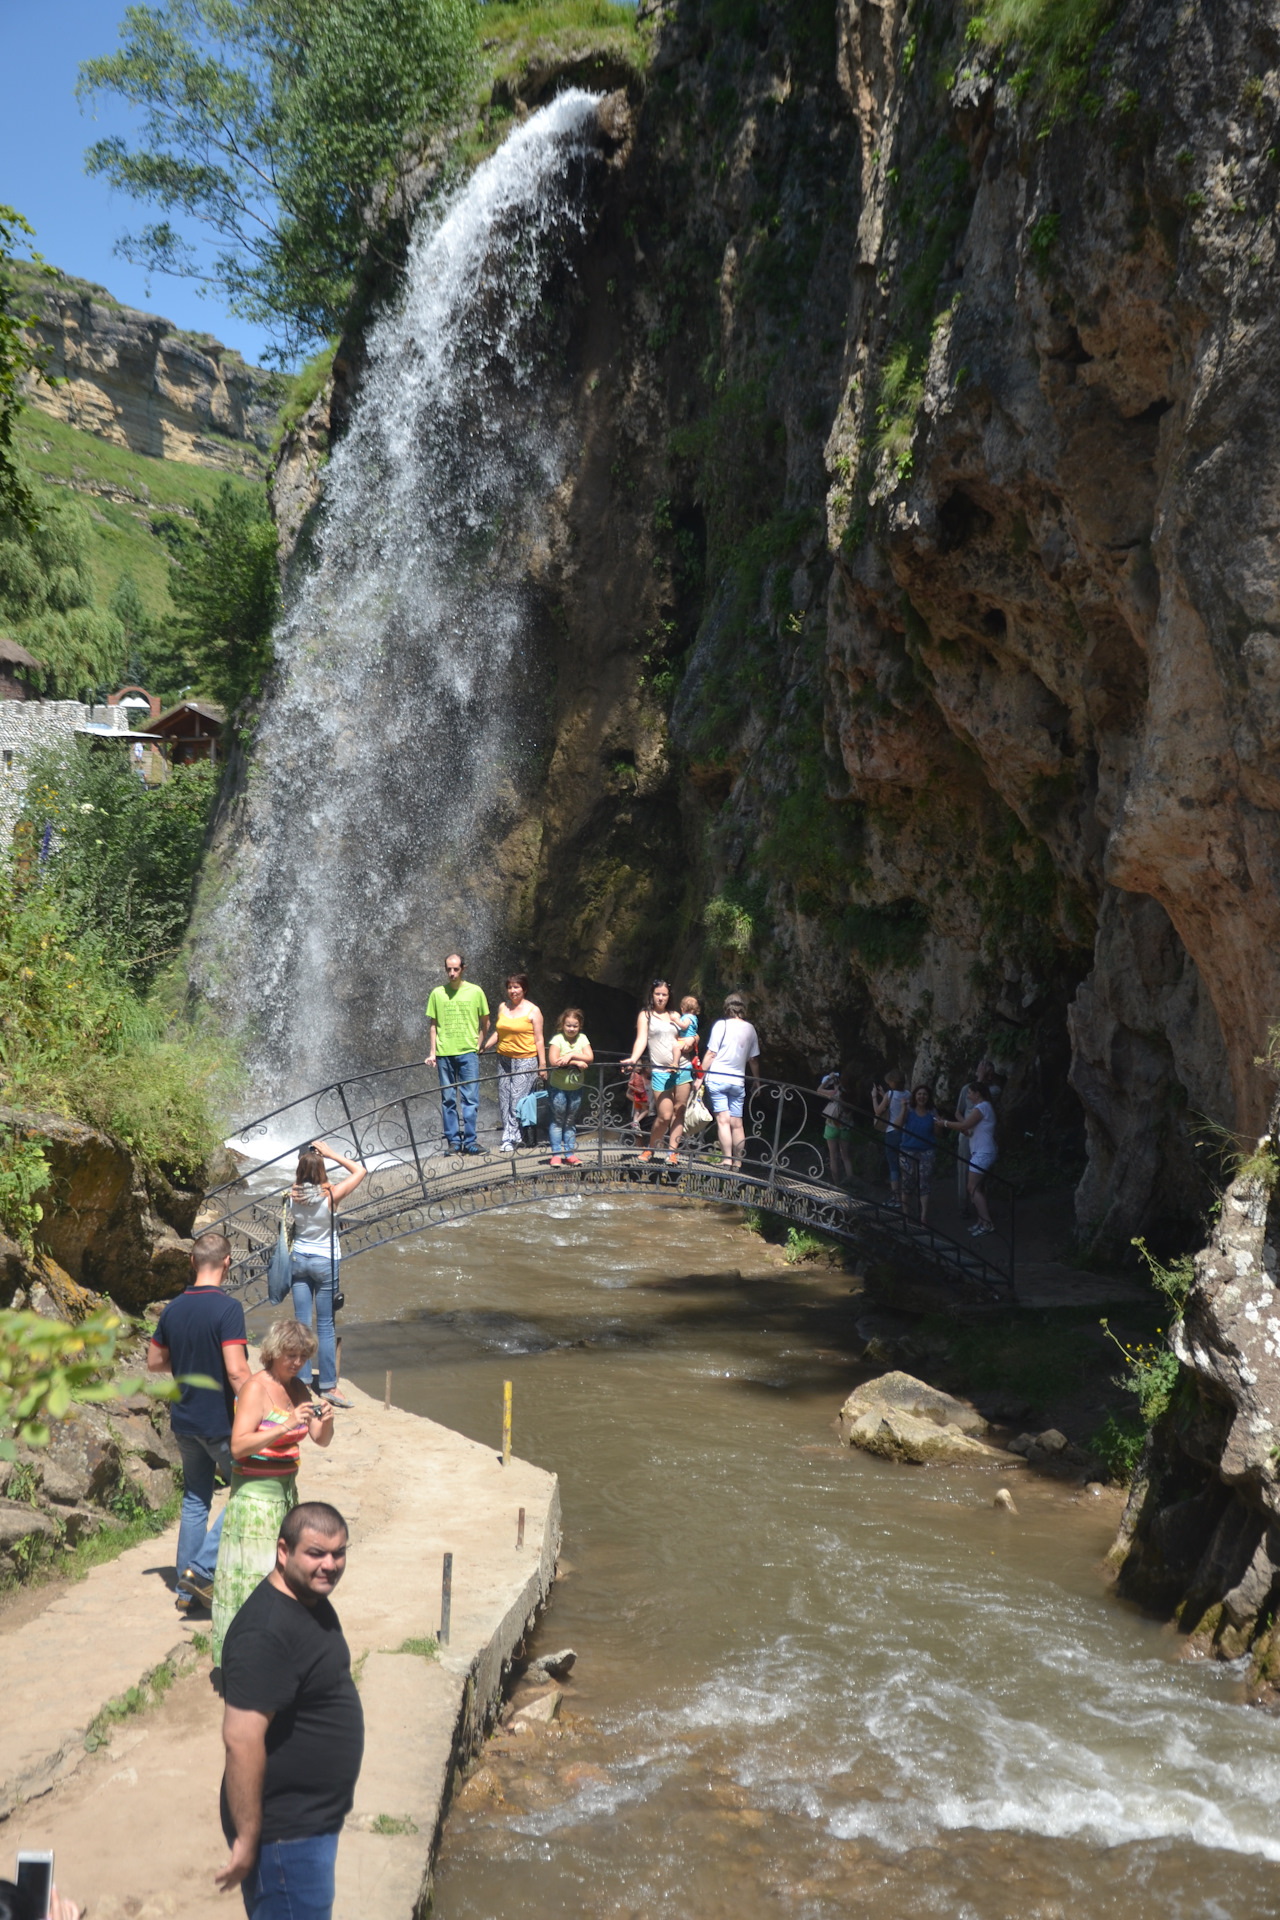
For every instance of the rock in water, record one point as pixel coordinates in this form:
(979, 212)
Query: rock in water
(538, 1713)
(1004, 1500)
(901, 1418)
(556, 1666)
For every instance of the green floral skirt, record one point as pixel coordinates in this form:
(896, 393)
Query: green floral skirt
(255, 1513)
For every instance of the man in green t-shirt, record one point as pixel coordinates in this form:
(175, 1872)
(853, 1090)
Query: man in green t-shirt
(458, 1020)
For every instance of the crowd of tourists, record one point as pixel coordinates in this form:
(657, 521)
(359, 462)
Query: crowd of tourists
(664, 1064)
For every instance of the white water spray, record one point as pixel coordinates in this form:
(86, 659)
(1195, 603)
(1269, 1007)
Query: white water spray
(389, 750)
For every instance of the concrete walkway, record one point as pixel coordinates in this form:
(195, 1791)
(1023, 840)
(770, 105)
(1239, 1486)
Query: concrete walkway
(135, 1824)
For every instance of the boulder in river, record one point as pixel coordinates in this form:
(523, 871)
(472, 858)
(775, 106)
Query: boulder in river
(901, 1418)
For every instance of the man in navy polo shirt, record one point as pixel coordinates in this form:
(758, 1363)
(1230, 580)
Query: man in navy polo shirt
(202, 1331)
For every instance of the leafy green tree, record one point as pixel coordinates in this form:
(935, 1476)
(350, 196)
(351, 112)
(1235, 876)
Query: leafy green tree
(227, 592)
(273, 123)
(122, 856)
(155, 657)
(19, 356)
(46, 596)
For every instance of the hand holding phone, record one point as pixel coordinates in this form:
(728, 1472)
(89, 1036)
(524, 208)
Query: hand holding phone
(35, 1882)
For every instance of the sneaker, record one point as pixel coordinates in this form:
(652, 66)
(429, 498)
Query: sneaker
(673, 1159)
(555, 1160)
(646, 1155)
(976, 1229)
(506, 1148)
(198, 1589)
(572, 1160)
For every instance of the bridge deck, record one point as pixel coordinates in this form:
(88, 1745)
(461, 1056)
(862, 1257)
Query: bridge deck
(401, 1199)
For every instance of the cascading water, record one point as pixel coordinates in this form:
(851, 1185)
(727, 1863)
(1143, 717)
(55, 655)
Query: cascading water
(393, 741)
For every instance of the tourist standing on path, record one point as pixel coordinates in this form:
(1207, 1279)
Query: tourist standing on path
(522, 1056)
(918, 1153)
(273, 1414)
(458, 1020)
(292, 1726)
(202, 1332)
(317, 1250)
(889, 1103)
(571, 1055)
(980, 1125)
(837, 1122)
(983, 1074)
(658, 1033)
(733, 1051)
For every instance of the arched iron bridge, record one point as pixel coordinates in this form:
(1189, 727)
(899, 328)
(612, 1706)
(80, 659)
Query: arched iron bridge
(392, 1120)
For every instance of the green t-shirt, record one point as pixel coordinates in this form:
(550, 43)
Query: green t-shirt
(457, 1012)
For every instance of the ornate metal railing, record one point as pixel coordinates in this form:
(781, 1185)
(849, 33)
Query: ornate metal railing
(392, 1120)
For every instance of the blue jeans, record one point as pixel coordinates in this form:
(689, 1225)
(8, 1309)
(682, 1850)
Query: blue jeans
(313, 1279)
(564, 1111)
(459, 1076)
(197, 1540)
(292, 1880)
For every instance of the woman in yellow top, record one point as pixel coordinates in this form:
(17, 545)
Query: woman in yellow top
(518, 1039)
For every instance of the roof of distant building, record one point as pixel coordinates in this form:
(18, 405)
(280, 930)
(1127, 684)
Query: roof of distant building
(203, 708)
(12, 655)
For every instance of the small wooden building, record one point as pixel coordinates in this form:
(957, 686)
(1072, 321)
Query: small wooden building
(14, 660)
(190, 731)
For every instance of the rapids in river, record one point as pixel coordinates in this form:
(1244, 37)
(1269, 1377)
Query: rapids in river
(809, 1683)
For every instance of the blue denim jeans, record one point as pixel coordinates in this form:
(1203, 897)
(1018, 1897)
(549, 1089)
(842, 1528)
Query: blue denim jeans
(459, 1075)
(313, 1279)
(292, 1880)
(564, 1111)
(197, 1540)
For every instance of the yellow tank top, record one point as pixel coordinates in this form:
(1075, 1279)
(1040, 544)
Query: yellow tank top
(515, 1033)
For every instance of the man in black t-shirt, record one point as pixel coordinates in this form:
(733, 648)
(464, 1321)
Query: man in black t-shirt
(292, 1726)
(202, 1332)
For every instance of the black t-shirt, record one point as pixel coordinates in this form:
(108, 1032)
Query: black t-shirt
(291, 1660)
(195, 1328)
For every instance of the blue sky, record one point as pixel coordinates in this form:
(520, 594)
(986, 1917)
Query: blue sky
(43, 136)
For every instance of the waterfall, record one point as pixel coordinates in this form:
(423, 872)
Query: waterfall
(385, 767)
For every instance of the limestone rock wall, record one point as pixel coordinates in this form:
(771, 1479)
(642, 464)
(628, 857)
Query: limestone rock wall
(136, 380)
(909, 641)
(1200, 1538)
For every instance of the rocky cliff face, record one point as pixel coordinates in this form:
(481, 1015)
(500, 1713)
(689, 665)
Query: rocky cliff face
(1200, 1539)
(135, 380)
(910, 609)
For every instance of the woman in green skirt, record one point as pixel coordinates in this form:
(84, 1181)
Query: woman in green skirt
(273, 1414)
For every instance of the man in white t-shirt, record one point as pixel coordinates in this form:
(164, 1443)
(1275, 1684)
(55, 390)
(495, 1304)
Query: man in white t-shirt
(733, 1051)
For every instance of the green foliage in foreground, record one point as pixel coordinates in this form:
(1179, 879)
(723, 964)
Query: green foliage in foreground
(24, 1172)
(123, 856)
(1118, 1444)
(77, 1038)
(46, 1364)
(272, 123)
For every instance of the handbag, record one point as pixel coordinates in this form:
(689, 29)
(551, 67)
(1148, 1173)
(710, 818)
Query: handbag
(697, 1114)
(280, 1269)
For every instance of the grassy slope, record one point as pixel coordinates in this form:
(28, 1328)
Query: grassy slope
(124, 541)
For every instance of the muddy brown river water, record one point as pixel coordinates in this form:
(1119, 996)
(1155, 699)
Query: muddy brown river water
(809, 1683)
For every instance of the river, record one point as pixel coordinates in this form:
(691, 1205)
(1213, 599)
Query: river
(809, 1683)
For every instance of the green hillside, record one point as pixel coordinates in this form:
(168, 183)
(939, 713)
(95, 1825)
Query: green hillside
(127, 496)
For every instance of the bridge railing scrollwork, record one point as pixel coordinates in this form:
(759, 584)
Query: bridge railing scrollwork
(392, 1120)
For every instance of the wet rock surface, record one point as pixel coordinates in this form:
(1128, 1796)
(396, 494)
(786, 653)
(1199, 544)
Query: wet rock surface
(1200, 1537)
